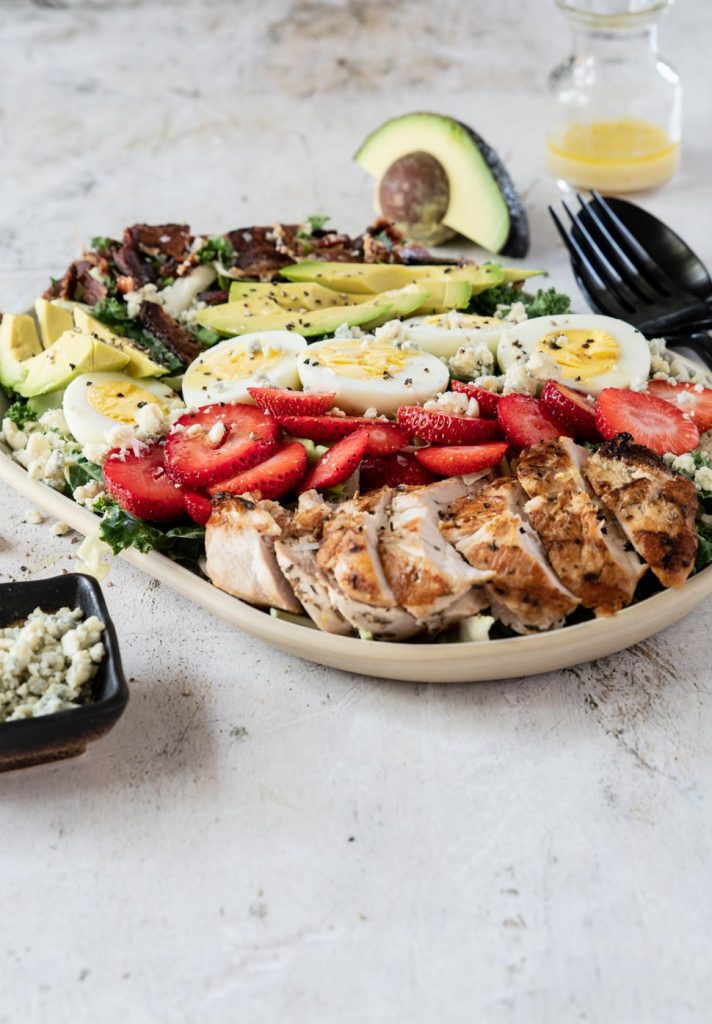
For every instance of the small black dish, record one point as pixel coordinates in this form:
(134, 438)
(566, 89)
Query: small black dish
(63, 734)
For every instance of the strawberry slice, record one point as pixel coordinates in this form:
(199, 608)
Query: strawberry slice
(688, 397)
(338, 463)
(487, 400)
(393, 471)
(650, 421)
(218, 441)
(285, 402)
(385, 438)
(570, 410)
(141, 485)
(324, 429)
(198, 506)
(459, 459)
(444, 428)
(277, 475)
(525, 421)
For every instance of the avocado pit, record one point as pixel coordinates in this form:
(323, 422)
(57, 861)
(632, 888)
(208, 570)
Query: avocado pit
(415, 193)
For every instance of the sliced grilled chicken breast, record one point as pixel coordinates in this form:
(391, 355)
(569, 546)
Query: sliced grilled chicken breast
(583, 542)
(655, 507)
(296, 557)
(239, 549)
(427, 576)
(489, 528)
(350, 560)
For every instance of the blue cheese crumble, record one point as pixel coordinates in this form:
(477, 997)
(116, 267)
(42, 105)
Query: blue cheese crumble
(47, 663)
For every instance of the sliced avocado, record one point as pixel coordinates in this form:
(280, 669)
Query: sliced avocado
(18, 344)
(73, 353)
(375, 278)
(138, 365)
(54, 320)
(43, 403)
(483, 204)
(520, 274)
(445, 295)
(305, 296)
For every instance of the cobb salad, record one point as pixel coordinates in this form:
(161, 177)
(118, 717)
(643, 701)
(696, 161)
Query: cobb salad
(350, 432)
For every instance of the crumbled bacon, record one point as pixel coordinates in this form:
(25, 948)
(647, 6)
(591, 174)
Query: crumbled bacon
(156, 321)
(169, 240)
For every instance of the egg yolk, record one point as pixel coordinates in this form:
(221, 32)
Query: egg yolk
(236, 363)
(362, 362)
(581, 354)
(120, 401)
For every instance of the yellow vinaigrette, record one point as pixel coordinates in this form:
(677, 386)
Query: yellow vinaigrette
(121, 401)
(614, 156)
(581, 354)
(362, 362)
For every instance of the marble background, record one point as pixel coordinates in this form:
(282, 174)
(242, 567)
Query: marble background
(261, 839)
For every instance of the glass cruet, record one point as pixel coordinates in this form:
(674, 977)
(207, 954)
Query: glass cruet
(614, 105)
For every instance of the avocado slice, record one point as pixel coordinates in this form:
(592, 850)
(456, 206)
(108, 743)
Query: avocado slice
(512, 274)
(401, 302)
(43, 403)
(54, 320)
(301, 297)
(375, 278)
(18, 344)
(483, 204)
(71, 354)
(138, 365)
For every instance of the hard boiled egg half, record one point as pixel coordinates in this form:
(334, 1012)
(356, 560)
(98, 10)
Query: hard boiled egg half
(369, 373)
(224, 372)
(585, 351)
(94, 403)
(444, 333)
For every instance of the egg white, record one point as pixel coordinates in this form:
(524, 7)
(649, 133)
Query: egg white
(444, 333)
(421, 377)
(87, 424)
(208, 379)
(519, 342)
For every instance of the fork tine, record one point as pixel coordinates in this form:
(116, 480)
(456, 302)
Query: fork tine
(655, 274)
(602, 264)
(616, 254)
(594, 284)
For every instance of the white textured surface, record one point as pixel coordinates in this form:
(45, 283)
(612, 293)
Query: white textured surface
(261, 839)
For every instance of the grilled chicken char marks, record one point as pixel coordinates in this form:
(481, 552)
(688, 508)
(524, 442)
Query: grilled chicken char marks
(655, 507)
(239, 549)
(583, 542)
(490, 530)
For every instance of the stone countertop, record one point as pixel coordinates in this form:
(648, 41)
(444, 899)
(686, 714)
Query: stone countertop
(265, 839)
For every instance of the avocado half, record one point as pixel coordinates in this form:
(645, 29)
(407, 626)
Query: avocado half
(484, 205)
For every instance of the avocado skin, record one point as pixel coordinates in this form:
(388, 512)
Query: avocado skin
(517, 243)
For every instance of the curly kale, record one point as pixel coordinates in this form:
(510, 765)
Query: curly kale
(120, 529)
(546, 302)
(218, 247)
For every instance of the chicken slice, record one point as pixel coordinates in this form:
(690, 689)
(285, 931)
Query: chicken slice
(427, 576)
(239, 548)
(655, 507)
(490, 530)
(296, 556)
(583, 542)
(349, 558)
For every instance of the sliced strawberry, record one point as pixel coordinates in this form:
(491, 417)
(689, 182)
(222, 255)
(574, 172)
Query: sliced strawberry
(688, 397)
(392, 471)
(277, 475)
(218, 441)
(385, 438)
(651, 421)
(284, 402)
(325, 429)
(338, 463)
(570, 410)
(458, 459)
(487, 400)
(443, 428)
(198, 506)
(141, 485)
(525, 421)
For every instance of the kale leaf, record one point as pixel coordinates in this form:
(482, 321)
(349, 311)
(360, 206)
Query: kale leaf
(205, 335)
(704, 547)
(20, 414)
(218, 247)
(81, 472)
(546, 302)
(120, 529)
(314, 223)
(114, 313)
(102, 242)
